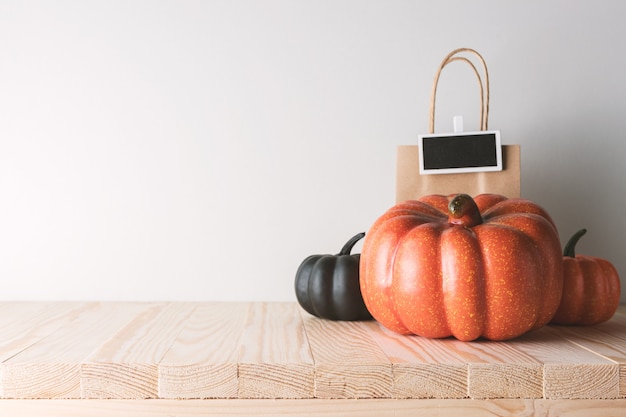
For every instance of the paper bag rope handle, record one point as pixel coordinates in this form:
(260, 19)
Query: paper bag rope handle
(484, 92)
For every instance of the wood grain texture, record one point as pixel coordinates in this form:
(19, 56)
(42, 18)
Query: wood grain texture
(24, 324)
(274, 358)
(127, 365)
(249, 351)
(569, 370)
(421, 367)
(501, 371)
(50, 368)
(316, 407)
(203, 360)
(348, 363)
(605, 340)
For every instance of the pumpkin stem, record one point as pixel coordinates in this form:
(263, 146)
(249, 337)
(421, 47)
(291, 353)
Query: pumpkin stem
(350, 244)
(464, 211)
(570, 246)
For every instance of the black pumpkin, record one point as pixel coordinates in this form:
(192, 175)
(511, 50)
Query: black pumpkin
(327, 286)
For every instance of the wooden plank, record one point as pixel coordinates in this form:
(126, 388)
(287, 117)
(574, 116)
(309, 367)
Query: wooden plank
(423, 368)
(22, 324)
(498, 370)
(601, 340)
(50, 368)
(127, 365)
(580, 408)
(202, 362)
(15, 314)
(276, 350)
(275, 360)
(440, 368)
(569, 370)
(616, 326)
(348, 363)
(305, 408)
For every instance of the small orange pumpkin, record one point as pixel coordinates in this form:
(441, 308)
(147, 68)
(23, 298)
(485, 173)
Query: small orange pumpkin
(591, 288)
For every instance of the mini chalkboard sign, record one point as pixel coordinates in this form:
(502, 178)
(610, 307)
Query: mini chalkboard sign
(448, 153)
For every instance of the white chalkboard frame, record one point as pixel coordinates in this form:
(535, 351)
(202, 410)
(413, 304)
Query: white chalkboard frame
(451, 153)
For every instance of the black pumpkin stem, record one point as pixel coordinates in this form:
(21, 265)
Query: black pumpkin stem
(464, 211)
(570, 246)
(350, 244)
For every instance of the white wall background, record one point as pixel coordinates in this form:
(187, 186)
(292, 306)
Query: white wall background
(200, 150)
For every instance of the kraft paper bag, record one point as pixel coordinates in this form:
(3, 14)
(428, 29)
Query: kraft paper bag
(411, 185)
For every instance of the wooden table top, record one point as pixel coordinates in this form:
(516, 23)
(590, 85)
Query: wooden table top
(202, 350)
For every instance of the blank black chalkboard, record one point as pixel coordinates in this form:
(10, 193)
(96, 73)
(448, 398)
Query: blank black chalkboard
(460, 152)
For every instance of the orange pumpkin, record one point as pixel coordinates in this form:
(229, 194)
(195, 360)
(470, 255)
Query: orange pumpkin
(591, 288)
(442, 266)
